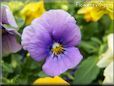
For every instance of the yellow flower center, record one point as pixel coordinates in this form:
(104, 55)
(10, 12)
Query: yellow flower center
(57, 49)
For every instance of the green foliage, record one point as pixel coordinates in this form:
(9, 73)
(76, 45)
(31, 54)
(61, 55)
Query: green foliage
(42, 74)
(87, 71)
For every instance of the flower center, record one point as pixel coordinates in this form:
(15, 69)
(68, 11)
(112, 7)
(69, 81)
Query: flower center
(57, 48)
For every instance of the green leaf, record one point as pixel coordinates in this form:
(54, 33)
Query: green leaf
(15, 60)
(111, 28)
(88, 47)
(7, 67)
(96, 40)
(87, 71)
(42, 74)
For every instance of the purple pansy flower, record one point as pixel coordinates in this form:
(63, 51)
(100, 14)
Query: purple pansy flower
(6, 16)
(53, 37)
(8, 31)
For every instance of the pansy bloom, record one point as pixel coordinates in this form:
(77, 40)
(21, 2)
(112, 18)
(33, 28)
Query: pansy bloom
(53, 37)
(33, 10)
(106, 61)
(95, 9)
(8, 30)
(50, 81)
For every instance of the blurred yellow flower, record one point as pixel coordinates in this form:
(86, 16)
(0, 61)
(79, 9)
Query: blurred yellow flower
(50, 81)
(64, 4)
(107, 60)
(33, 10)
(64, 7)
(15, 5)
(95, 9)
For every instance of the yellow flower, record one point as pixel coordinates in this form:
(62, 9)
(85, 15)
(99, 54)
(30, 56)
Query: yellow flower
(33, 10)
(94, 10)
(107, 60)
(15, 5)
(50, 81)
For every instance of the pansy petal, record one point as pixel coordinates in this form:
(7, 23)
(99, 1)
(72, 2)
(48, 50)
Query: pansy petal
(50, 81)
(0, 42)
(62, 29)
(36, 11)
(105, 59)
(9, 44)
(108, 73)
(110, 41)
(7, 16)
(111, 15)
(37, 41)
(97, 13)
(57, 65)
(84, 10)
